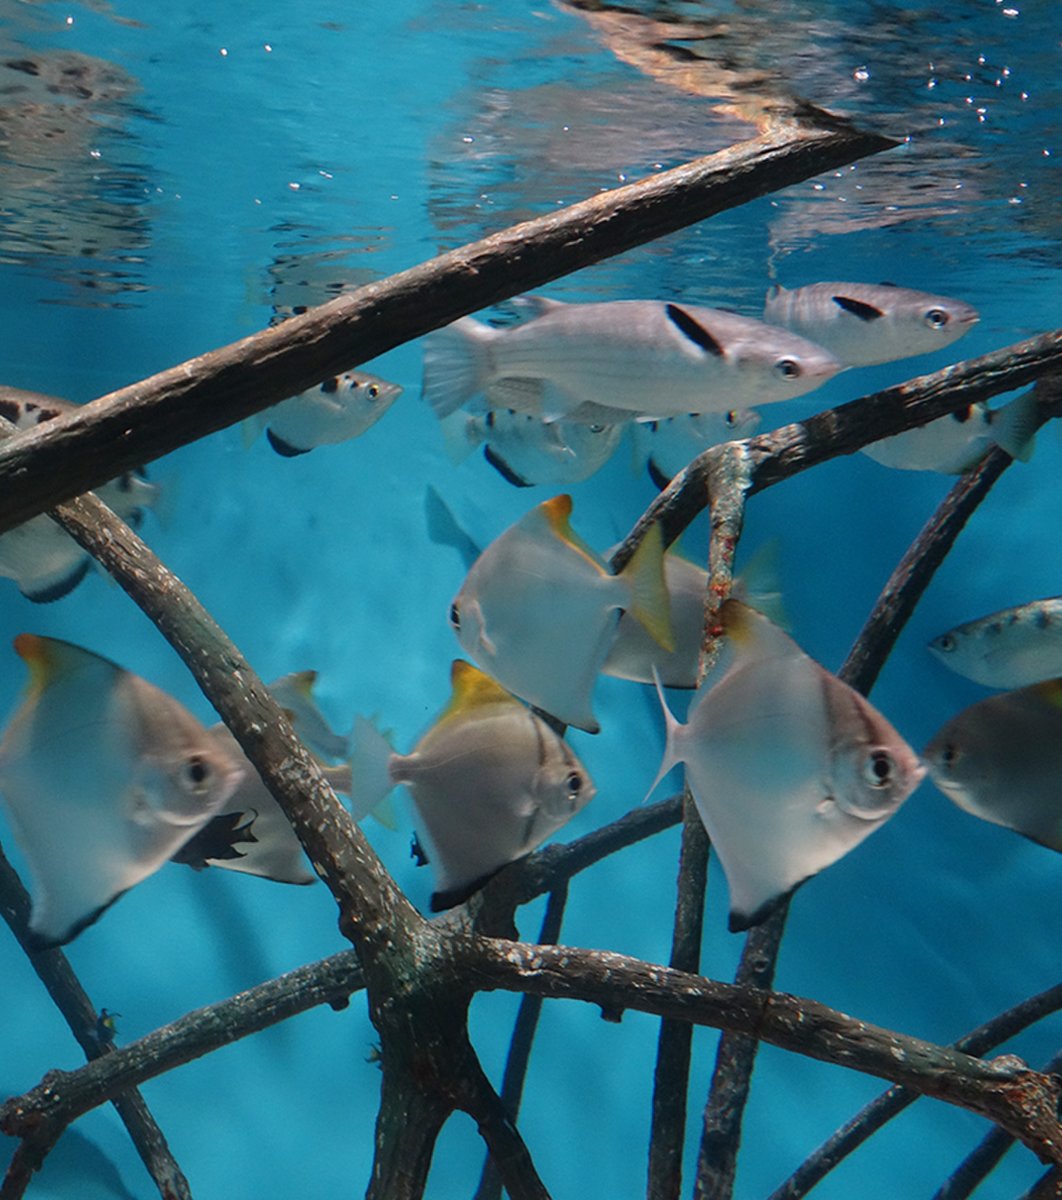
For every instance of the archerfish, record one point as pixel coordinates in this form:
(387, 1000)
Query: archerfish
(648, 357)
(1001, 760)
(865, 323)
(43, 560)
(958, 441)
(789, 767)
(490, 781)
(339, 408)
(104, 778)
(526, 451)
(670, 444)
(1007, 649)
(539, 607)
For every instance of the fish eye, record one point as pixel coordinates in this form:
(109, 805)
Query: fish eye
(936, 318)
(195, 773)
(950, 755)
(455, 615)
(878, 769)
(597, 428)
(373, 391)
(574, 783)
(730, 418)
(946, 642)
(787, 368)
(135, 518)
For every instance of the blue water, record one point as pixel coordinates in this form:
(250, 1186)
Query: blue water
(209, 167)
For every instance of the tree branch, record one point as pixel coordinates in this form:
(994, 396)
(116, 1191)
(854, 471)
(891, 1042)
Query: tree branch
(1006, 1091)
(79, 451)
(70, 998)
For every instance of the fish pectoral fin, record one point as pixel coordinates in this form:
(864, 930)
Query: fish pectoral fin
(694, 330)
(858, 308)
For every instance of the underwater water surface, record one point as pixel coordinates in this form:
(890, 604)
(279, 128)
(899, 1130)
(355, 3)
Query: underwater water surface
(172, 177)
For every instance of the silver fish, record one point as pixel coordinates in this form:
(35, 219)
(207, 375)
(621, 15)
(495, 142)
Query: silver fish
(338, 409)
(1001, 760)
(104, 778)
(38, 555)
(490, 781)
(789, 767)
(954, 443)
(670, 444)
(865, 323)
(645, 356)
(527, 451)
(1007, 649)
(538, 609)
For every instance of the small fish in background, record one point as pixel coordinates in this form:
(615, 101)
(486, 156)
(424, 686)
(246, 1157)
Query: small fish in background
(867, 323)
(634, 655)
(104, 777)
(106, 1026)
(789, 767)
(538, 610)
(490, 781)
(956, 442)
(1011, 648)
(526, 450)
(1001, 760)
(647, 357)
(43, 560)
(338, 409)
(668, 445)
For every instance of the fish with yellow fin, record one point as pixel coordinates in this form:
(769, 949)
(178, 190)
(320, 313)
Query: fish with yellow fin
(789, 767)
(539, 607)
(104, 777)
(490, 781)
(1001, 760)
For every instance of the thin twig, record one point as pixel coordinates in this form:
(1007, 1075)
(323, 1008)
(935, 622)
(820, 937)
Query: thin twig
(79, 451)
(891, 1103)
(54, 970)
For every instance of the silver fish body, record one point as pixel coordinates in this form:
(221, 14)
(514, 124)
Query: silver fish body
(104, 778)
(1011, 648)
(42, 559)
(338, 409)
(490, 781)
(866, 323)
(528, 451)
(644, 356)
(1001, 760)
(538, 609)
(789, 767)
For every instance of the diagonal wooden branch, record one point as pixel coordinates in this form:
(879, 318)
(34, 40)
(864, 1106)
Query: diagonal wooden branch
(1006, 1091)
(64, 987)
(128, 428)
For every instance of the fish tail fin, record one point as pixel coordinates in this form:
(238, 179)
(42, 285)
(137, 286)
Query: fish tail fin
(455, 364)
(650, 602)
(672, 757)
(758, 586)
(370, 777)
(460, 436)
(1014, 426)
(251, 427)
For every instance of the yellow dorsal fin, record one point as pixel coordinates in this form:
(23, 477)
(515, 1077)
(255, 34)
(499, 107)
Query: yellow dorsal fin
(557, 513)
(754, 635)
(303, 681)
(471, 689)
(48, 658)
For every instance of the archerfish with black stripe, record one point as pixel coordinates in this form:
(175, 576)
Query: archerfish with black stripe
(649, 358)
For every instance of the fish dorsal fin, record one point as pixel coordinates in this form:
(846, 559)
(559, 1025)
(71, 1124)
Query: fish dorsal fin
(472, 688)
(694, 330)
(858, 308)
(48, 659)
(302, 682)
(754, 637)
(557, 513)
(774, 291)
(530, 307)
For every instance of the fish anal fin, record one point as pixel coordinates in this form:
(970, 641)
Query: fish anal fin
(283, 448)
(740, 922)
(693, 330)
(452, 897)
(858, 308)
(503, 468)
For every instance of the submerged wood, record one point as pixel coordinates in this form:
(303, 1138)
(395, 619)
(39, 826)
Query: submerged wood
(76, 452)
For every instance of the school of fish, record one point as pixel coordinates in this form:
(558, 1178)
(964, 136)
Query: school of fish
(105, 778)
